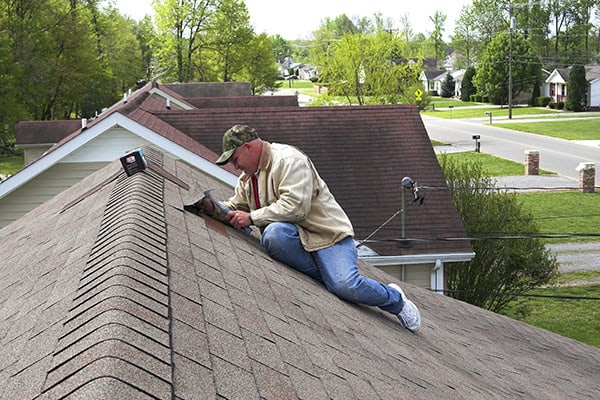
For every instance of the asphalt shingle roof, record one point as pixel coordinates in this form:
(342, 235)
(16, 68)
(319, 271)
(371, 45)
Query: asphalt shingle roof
(112, 290)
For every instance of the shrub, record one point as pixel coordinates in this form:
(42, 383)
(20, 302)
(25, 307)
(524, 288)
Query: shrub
(543, 101)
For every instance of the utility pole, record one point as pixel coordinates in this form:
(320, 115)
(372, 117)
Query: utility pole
(510, 62)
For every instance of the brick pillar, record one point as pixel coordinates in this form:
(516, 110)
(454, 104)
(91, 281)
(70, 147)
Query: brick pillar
(587, 176)
(532, 162)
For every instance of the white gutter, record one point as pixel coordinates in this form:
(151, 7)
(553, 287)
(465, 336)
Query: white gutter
(417, 258)
(436, 279)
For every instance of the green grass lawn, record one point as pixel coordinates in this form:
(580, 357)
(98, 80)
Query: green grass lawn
(565, 213)
(556, 213)
(300, 84)
(10, 165)
(480, 112)
(576, 319)
(440, 102)
(493, 166)
(577, 129)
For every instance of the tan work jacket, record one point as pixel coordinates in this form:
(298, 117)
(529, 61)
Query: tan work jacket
(291, 190)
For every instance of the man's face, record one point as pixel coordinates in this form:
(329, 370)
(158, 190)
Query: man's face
(244, 159)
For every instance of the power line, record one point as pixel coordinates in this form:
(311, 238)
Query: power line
(481, 238)
(546, 296)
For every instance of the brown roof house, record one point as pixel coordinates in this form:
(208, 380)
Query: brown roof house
(363, 152)
(112, 290)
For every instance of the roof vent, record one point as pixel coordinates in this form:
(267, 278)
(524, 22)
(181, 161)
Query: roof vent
(168, 104)
(134, 162)
(83, 123)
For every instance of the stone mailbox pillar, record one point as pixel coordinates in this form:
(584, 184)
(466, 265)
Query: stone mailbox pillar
(587, 176)
(532, 162)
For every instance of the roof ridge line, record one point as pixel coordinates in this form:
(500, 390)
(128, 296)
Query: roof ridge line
(124, 285)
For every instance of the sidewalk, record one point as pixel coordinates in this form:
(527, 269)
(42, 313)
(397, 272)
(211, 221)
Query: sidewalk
(536, 183)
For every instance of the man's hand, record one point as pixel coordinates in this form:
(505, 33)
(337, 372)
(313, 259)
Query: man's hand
(239, 219)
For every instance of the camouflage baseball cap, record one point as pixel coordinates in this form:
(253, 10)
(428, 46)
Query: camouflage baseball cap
(234, 138)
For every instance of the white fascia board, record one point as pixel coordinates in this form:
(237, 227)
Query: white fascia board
(417, 259)
(173, 100)
(179, 152)
(47, 161)
(555, 77)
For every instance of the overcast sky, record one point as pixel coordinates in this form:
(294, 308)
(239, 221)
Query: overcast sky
(297, 20)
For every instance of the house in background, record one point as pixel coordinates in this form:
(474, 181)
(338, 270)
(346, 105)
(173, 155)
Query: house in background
(556, 85)
(363, 152)
(113, 290)
(432, 80)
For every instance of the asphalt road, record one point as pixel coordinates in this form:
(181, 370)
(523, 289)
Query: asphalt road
(556, 155)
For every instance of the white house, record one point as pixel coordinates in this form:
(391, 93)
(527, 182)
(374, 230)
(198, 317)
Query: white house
(556, 85)
(432, 80)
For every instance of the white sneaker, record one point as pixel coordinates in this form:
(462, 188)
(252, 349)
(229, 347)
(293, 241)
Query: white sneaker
(409, 317)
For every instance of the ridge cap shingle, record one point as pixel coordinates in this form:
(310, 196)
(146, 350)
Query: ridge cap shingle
(118, 326)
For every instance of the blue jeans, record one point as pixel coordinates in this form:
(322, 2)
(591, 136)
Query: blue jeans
(335, 266)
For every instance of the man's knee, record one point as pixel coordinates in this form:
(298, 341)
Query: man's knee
(344, 288)
(275, 237)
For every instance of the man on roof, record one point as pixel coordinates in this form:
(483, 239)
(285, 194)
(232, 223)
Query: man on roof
(302, 225)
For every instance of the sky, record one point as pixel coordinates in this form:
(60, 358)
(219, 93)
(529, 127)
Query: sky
(297, 20)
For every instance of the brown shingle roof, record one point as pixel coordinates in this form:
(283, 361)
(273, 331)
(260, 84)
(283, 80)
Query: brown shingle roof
(112, 290)
(244, 101)
(44, 132)
(363, 152)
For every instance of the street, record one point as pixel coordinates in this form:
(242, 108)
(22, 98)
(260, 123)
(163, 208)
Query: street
(556, 155)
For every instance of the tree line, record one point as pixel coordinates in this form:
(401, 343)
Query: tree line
(71, 58)
(530, 36)
(63, 59)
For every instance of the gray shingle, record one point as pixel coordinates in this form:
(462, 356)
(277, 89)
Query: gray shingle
(123, 294)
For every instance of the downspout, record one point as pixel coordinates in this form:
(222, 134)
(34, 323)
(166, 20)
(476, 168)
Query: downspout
(437, 277)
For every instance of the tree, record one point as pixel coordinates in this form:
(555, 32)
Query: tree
(502, 266)
(364, 69)
(230, 38)
(118, 62)
(438, 19)
(492, 74)
(464, 39)
(144, 30)
(11, 110)
(578, 88)
(467, 88)
(259, 68)
(448, 86)
(182, 27)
